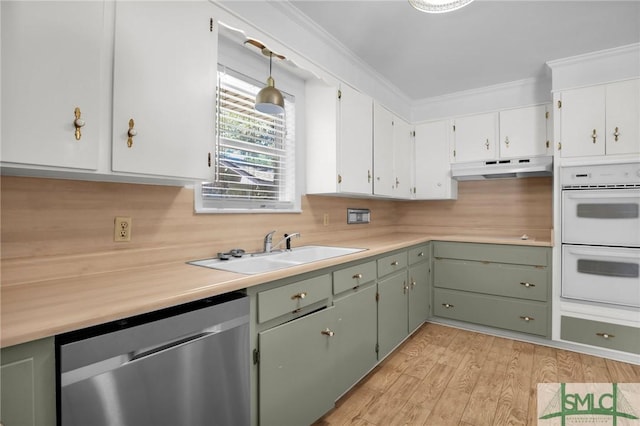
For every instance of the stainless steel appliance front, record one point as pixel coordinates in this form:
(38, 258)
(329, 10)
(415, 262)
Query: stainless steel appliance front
(601, 233)
(181, 366)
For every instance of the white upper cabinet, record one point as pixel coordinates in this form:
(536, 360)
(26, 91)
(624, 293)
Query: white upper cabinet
(51, 54)
(339, 123)
(432, 177)
(475, 138)
(403, 158)
(523, 132)
(164, 89)
(392, 154)
(383, 149)
(600, 120)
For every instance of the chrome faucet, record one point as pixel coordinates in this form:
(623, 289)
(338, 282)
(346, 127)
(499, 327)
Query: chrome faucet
(267, 242)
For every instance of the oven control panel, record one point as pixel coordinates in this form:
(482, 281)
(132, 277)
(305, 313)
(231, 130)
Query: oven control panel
(625, 175)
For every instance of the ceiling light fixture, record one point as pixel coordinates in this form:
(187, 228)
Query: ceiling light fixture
(269, 100)
(438, 6)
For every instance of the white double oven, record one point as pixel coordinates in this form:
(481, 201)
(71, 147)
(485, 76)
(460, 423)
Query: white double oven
(601, 233)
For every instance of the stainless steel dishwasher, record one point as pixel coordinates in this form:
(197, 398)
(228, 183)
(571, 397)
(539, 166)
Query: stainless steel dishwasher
(181, 366)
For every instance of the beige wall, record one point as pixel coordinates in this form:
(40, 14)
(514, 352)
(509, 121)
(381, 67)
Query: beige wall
(56, 228)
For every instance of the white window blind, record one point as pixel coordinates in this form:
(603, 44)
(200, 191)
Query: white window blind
(255, 152)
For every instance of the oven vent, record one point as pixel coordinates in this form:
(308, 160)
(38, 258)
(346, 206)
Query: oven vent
(606, 186)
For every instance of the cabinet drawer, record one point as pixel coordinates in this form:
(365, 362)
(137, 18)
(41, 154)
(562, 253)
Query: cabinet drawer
(521, 281)
(354, 276)
(511, 314)
(500, 253)
(392, 263)
(596, 333)
(287, 299)
(418, 254)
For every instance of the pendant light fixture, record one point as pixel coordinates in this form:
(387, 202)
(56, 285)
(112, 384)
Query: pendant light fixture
(438, 6)
(269, 100)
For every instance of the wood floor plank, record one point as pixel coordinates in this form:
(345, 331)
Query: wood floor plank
(569, 367)
(595, 369)
(348, 408)
(622, 372)
(427, 395)
(545, 370)
(390, 369)
(513, 404)
(385, 407)
(458, 391)
(483, 401)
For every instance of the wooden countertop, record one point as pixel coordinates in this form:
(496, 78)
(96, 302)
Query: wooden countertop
(37, 310)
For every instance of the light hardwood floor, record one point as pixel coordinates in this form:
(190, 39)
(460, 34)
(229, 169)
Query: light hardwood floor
(446, 376)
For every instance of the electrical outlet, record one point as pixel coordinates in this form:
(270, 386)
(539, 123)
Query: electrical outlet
(122, 229)
(325, 219)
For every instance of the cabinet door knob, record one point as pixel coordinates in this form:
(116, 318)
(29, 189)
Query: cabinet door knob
(487, 144)
(368, 176)
(395, 263)
(527, 284)
(299, 296)
(413, 283)
(78, 123)
(506, 141)
(131, 133)
(327, 332)
(357, 276)
(605, 335)
(447, 305)
(616, 133)
(527, 319)
(594, 135)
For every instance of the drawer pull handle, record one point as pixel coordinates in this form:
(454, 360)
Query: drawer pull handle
(528, 285)
(447, 305)
(299, 296)
(605, 335)
(527, 319)
(616, 133)
(78, 123)
(357, 276)
(413, 283)
(421, 254)
(327, 332)
(405, 287)
(355, 287)
(394, 263)
(297, 311)
(594, 136)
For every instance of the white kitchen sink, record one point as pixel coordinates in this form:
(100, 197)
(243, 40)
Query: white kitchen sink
(266, 262)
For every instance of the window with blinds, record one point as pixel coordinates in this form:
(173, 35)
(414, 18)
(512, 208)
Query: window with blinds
(255, 152)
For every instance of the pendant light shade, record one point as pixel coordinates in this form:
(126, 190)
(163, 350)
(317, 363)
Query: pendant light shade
(438, 6)
(269, 100)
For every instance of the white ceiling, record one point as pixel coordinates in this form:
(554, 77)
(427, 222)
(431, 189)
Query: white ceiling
(485, 43)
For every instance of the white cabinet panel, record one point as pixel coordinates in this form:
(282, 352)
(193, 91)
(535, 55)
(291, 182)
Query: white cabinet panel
(623, 117)
(49, 69)
(164, 79)
(356, 142)
(583, 122)
(403, 159)
(383, 149)
(432, 170)
(475, 137)
(523, 132)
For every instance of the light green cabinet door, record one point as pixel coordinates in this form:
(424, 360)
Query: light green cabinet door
(418, 295)
(392, 312)
(27, 379)
(295, 386)
(355, 338)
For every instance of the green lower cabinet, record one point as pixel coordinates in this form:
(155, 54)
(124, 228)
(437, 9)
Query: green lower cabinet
(418, 295)
(27, 384)
(393, 309)
(602, 334)
(355, 337)
(295, 386)
(502, 312)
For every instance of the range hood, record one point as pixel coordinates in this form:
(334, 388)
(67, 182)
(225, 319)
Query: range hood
(503, 169)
